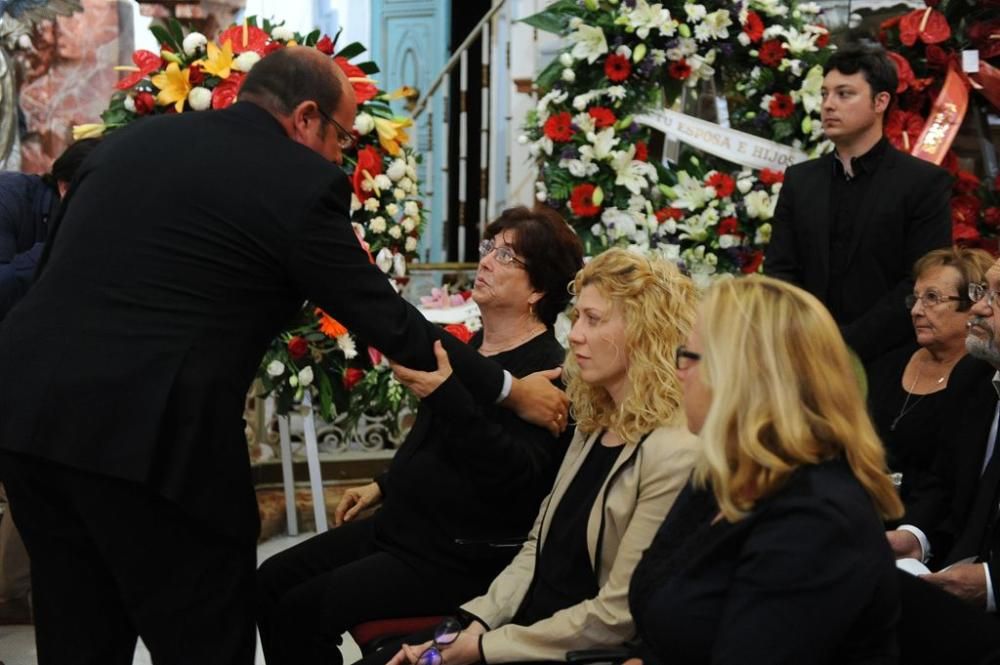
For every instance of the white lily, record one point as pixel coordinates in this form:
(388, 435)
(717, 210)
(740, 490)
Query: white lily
(589, 43)
(602, 143)
(631, 173)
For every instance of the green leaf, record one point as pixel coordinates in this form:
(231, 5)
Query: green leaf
(351, 50)
(549, 75)
(177, 32)
(554, 18)
(161, 34)
(252, 21)
(325, 394)
(369, 67)
(312, 38)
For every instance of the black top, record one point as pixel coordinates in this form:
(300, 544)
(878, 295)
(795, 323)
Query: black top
(806, 577)
(470, 472)
(564, 574)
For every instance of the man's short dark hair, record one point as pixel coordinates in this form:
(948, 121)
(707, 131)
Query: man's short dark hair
(65, 166)
(872, 61)
(287, 77)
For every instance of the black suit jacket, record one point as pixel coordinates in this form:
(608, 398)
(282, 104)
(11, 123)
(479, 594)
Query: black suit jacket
(186, 243)
(905, 214)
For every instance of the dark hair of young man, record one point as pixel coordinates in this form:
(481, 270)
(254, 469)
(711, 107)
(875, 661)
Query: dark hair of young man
(872, 61)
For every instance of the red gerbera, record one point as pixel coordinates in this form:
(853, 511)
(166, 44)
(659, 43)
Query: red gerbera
(617, 67)
(729, 226)
(559, 127)
(772, 52)
(754, 27)
(722, 183)
(603, 116)
(246, 38)
(679, 70)
(582, 201)
(769, 177)
(147, 62)
(781, 106)
(823, 39)
(663, 214)
(224, 94)
(364, 89)
(641, 151)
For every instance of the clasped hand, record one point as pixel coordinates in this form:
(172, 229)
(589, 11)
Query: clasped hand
(463, 651)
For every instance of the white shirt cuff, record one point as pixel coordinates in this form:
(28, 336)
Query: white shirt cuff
(925, 545)
(991, 601)
(508, 383)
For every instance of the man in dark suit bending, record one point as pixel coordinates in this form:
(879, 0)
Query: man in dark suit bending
(849, 226)
(186, 242)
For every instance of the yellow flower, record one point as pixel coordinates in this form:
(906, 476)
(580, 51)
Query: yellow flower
(391, 134)
(402, 91)
(219, 61)
(174, 84)
(88, 131)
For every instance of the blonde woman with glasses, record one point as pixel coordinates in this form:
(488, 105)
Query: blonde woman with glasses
(776, 552)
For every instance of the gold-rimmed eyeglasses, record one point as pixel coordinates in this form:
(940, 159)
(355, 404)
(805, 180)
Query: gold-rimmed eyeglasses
(346, 139)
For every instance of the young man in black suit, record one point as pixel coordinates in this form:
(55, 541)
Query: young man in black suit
(185, 244)
(849, 226)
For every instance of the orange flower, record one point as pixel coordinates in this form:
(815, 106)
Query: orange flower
(329, 326)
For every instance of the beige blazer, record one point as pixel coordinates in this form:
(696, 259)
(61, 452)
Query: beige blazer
(639, 491)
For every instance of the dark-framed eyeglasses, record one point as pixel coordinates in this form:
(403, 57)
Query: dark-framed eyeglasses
(685, 359)
(346, 139)
(446, 633)
(978, 291)
(504, 254)
(928, 299)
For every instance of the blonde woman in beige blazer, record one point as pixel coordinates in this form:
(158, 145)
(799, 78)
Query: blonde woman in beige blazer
(631, 314)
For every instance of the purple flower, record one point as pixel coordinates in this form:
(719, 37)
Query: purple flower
(569, 152)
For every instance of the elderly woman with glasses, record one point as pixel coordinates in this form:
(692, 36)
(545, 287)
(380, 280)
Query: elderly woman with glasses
(465, 479)
(566, 588)
(914, 391)
(775, 552)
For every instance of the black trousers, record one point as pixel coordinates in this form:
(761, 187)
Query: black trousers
(111, 560)
(309, 595)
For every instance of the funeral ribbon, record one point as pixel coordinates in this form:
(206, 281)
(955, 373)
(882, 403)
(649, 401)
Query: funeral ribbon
(944, 121)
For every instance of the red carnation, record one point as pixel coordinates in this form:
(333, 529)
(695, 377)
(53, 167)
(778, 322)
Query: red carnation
(772, 52)
(729, 226)
(298, 347)
(769, 177)
(352, 375)
(966, 183)
(752, 263)
(325, 45)
(663, 214)
(679, 70)
(781, 106)
(559, 127)
(603, 116)
(964, 209)
(934, 30)
(582, 201)
(460, 331)
(754, 26)
(991, 216)
(964, 235)
(144, 103)
(641, 151)
(617, 67)
(722, 183)
(369, 165)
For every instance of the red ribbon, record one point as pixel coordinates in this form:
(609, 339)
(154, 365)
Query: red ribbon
(944, 120)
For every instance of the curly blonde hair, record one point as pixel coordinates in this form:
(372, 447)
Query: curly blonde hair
(784, 394)
(658, 305)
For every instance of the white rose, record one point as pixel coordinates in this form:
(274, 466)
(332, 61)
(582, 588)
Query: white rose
(130, 104)
(244, 61)
(568, 75)
(200, 98)
(194, 43)
(371, 204)
(407, 185)
(377, 225)
(395, 232)
(383, 182)
(392, 209)
(363, 123)
(411, 209)
(411, 244)
(408, 224)
(398, 194)
(306, 376)
(283, 33)
(396, 170)
(275, 368)
(744, 185)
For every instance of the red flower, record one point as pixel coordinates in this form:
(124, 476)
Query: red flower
(965, 209)
(983, 33)
(752, 262)
(298, 347)
(224, 94)
(769, 177)
(245, 38)
(991, 216)
(679, 70)
(929, 25)
(966, 183)
(352, 375)
(904, 73)
(325, 45)
(772, 52)
(823, 39)
(663, 214)
(195, 75)
(781, 106)
(964, 235)
(903, 128)
(754, 26)
(364, 89)
(144, 103)
(147, 62)
(559, 127)
(950, 163)
(884, 27)
(722, 183)
(729, 226)
(641, 151)
(460, 331)
(937, 57)
(617, 67)
(582, 201)
(603, 116)
(369, 165)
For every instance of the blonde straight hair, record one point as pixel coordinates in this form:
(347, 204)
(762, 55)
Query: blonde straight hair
(658, 304)
(784, 394)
